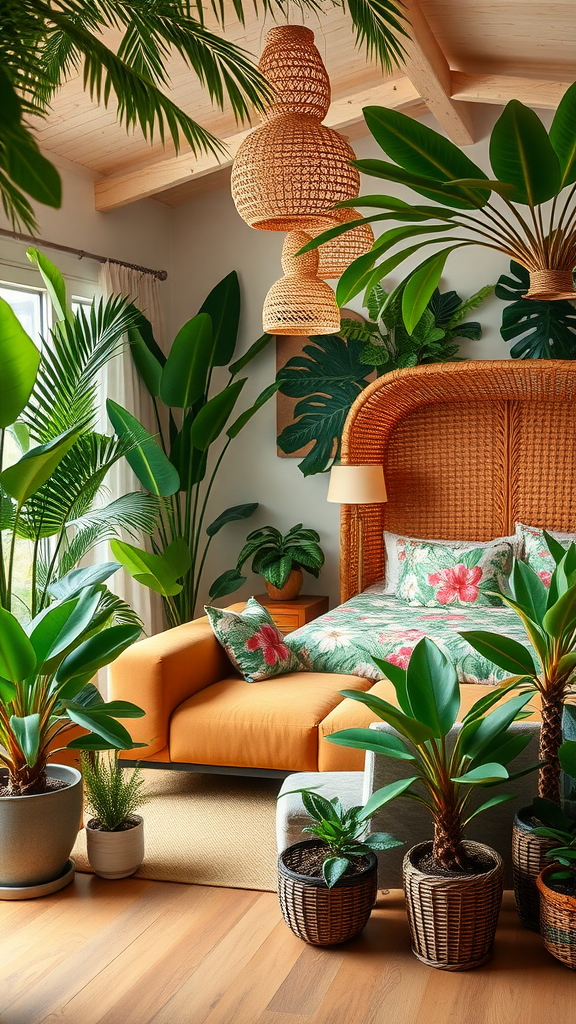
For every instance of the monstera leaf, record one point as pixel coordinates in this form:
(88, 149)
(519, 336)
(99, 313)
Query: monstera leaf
(545, 330)
(327, 377)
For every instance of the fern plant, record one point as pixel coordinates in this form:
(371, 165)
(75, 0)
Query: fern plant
(113, 793)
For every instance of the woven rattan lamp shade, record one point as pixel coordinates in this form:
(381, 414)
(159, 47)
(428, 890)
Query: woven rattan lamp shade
(294, 67)
(290, 172)
(335, 257)
(300, 303)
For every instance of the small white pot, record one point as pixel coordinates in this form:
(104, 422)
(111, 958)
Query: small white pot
(116, 854)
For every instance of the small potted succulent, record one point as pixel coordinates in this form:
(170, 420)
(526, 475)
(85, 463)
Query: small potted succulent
(548, 615)
(280, 559)
(453, 887)
(115, 835)
(557, 882)
(327, 885)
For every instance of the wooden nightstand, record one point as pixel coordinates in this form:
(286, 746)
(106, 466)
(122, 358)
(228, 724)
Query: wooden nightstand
(290, 615)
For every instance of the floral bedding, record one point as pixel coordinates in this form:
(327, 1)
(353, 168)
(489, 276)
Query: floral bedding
(373, 624)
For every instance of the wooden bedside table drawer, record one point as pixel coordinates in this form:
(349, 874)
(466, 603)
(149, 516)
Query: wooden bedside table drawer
(285, 621)
(290, 615)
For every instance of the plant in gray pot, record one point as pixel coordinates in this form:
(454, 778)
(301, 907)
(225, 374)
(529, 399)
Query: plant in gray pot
(281, 559)
(327, 885)
(115, 835)
(453, 887)
(45, 694)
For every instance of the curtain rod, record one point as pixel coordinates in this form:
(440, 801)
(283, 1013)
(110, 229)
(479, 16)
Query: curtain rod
(81, 254)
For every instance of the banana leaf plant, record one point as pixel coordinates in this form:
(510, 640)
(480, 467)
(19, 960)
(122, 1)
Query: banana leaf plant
(175, 465)
(505, 213)
(53, 463)
(547, 667)
(440, 779)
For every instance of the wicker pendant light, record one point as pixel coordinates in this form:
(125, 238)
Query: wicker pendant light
(292, 170)
(300, 303)
(335, 257)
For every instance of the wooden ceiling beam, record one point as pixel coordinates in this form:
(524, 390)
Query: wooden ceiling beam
(427, 68)
(142, 183)
(499, 89)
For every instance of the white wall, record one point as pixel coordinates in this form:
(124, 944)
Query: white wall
(208, 240)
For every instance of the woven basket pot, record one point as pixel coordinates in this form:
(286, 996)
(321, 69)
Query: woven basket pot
(557, 920)
(290, 590)
(453, 920)
(551, 285)
(528, 860)
(317, 914)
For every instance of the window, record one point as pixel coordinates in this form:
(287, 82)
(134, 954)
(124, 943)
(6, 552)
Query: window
(30, 306)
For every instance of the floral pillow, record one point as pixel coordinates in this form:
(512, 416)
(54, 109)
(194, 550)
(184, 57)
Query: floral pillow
(252, 641)
(536, 553)
(396, 553)
(433, 575)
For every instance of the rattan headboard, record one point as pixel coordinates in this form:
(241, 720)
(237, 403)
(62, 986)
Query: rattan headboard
(467, 449)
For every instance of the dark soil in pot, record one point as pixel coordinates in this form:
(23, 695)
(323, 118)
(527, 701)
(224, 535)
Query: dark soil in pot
(477, 864)
(96, 825)
(51, 785)
(307, 861)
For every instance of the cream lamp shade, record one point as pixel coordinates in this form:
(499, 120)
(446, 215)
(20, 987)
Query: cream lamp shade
(357, 485)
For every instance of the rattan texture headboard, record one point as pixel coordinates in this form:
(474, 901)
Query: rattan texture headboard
(467, 448)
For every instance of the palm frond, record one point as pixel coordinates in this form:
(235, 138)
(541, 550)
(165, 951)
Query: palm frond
(379, 24)
(135, 512)
(118, 612)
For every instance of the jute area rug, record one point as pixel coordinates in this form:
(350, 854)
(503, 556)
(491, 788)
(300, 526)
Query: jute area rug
(207, 829)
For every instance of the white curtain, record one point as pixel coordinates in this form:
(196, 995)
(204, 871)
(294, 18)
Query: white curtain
(123, 385)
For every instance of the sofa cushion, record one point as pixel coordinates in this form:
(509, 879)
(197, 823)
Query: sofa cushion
(271, 725)
(252, 641)
(350, 714)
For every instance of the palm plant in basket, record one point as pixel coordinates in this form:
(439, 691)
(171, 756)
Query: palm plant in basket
(280, 559)
(506, 213)
(548, 615)
(446, 769)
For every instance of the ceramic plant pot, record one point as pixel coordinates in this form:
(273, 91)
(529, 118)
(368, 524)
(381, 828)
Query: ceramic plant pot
(116, 854)
(317, 914)
(453, 920)
(38, 831)
(290, 590)
(557, 920)
(528, 860)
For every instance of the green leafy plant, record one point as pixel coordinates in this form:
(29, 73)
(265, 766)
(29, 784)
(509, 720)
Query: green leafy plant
(43, 44)
(332, 370)
(48, 406)
(441, 780)
(544, 329)
(530, 168)
(275, 556)
(343, 832)
(548, 615)
(177, 469)
(113, 793)
(556, 825)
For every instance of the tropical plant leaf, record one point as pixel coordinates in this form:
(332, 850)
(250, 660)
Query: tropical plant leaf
(19, 362)
(231, 515)
(545, 330)
(226, 583)
(152, 467)
(223, 307)
(563, 135)
(185, 373)
(522, 155)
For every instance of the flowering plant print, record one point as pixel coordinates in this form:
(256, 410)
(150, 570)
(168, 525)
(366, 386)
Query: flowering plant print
(433, 575)
(253, 642)
(536, 552)
(374, 624)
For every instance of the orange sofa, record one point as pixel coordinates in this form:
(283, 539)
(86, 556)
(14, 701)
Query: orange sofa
(201, 714)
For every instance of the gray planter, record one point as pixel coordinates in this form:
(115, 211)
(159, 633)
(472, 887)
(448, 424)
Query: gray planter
(37, 832)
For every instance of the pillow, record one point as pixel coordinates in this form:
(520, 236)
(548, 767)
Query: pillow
(434, 575)
(396, 552)
(252, 641)
(536, 553)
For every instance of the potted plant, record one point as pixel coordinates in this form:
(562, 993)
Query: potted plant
(115, 835)
(549, 618)
(327, 885)
(530, 166)
(557, 882)
(453, 887)
(280, 559)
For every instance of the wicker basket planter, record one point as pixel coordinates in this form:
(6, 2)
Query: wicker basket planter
(528, 860)
(452, 921)
(557, 921)
(317, 914)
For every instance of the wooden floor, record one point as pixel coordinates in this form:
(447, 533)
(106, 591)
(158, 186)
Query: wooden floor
(135, 952)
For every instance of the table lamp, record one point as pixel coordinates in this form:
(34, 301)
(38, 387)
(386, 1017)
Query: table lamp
(357, 485)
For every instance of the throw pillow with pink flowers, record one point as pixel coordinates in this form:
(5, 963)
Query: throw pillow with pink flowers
(536, 552)
(252, 641)
(433, 575)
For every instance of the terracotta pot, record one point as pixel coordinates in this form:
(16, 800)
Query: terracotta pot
(116, 854)
(557, 920)
(453, 920)
(290, 590)
(528, 860)
(317, 914)
(38, 831)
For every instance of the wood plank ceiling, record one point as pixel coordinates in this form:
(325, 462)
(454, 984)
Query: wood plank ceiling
(461, 52)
